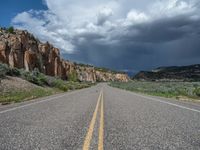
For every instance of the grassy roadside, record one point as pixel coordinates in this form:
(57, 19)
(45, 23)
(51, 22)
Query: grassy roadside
(17, 85)
(177, 90)
(19, 95)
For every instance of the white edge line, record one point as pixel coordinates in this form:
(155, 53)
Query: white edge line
(33, 103)
(157, 100)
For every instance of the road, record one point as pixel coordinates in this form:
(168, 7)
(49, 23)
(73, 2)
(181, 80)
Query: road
(100, 117)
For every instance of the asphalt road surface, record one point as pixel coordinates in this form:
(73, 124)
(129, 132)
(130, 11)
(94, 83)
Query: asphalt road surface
(100, 117)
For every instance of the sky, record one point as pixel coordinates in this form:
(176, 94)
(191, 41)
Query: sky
(126, 35)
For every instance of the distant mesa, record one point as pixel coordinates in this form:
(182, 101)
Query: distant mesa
(176, 73)
(20, 49)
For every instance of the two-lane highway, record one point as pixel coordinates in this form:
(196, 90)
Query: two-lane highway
(100, 117)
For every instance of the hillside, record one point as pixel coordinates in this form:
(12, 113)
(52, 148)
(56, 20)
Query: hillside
(20, 49)
(180, 73)
(18, 85)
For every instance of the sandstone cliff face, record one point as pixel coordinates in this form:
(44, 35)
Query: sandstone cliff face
(86, 73)
(22, 50)
(109, 76)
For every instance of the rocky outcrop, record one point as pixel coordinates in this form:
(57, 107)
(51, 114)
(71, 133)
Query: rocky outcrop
(86, 73)
(3, 52)
(176, 73)
(22, 50)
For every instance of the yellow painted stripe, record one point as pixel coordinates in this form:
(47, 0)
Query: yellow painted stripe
(101, 127)
(88, 137)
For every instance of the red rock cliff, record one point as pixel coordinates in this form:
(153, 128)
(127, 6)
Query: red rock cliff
(22, 50)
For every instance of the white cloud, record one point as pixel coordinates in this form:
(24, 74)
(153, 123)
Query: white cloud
(137, 17)
(26, 17)
(46, 27)
(171, 8)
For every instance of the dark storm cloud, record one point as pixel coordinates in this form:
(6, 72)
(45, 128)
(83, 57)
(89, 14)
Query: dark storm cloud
(167, 41)
(161, 30)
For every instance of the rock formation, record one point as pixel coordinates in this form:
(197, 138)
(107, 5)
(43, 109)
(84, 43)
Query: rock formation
(22, 50)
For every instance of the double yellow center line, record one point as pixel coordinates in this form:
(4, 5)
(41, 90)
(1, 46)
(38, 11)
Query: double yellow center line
(86, 145)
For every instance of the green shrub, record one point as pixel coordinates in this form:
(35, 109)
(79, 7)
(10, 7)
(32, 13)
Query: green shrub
(43, 79)
(73, 76)
(197, 92)
(13, 72)
(60, 85)
(49, 80)
(35, 77)
(10, 30)
(6, 70)
(3, 70)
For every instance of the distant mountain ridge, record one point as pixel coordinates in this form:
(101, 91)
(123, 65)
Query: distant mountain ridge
(20, 49)
(183, 73)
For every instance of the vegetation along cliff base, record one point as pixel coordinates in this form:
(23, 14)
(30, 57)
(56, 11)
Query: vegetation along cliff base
(17, 85)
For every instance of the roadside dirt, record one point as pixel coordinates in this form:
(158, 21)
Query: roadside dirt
(14, 83)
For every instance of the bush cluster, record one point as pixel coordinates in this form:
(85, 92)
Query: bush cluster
(10, 30)
(35, 77)
(40, 79)
(197, 91)
(73, 77)
(6, 70)
(3, 70)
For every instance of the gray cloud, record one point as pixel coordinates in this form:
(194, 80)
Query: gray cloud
(104, 15)
(167, 29)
